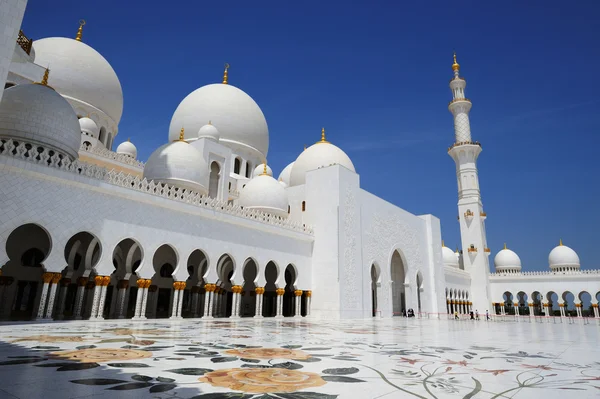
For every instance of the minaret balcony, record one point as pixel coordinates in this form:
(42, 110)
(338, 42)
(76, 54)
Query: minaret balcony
(487, 251)
(483, 215)
(456, 100)
(464, 143)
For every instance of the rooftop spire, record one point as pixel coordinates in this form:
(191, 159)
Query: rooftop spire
(323, 140)
(455, 66)
(560, 242)
(181, 134)
(264, 168)
(80, 30)
(225, 73)
(45, 77)
(443, 243)
(504, 245)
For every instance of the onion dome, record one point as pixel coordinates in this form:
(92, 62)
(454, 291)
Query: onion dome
(127, 148)
(259, 170)
(36, 114)
(563, 258)
(81, 74)
(209, 132)
(264, 193)
(242, 124)
(507, 261)
(89, 127)
(178, 164)
(449, 256)
(318, 155)
(284, 176)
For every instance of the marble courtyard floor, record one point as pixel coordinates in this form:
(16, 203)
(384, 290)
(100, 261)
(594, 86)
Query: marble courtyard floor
(299, 359)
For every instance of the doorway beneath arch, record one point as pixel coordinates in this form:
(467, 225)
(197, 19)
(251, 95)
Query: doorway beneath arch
(398, 289)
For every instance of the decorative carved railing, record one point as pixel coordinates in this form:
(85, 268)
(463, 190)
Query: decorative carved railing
(456, 100)
(46, 157)
(547, 273)
(24, 42)
(103, 152)
(464, 143)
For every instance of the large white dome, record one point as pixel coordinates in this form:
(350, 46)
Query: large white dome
(507, 260)
(318, 155)
(79, 72)
(240, 121)
(285, 174)
(450, 257)
(264, 193)
(178, 164)
(563, 257)
(36, 114)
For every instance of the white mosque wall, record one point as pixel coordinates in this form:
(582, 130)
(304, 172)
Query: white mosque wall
(11, 16)
(65, 203)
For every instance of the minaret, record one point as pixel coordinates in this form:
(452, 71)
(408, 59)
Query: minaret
(471, 216)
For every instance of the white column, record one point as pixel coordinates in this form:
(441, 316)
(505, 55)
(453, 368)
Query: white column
(42, 305)
(143, 308)
(596, 313)
(105, 283)
(531, 310)
(96, 298)
(259, 299)
(175, 300)
(280, 292)
(308, 302)
(121, 296)
(561, 307)
(578, 308)
(208, 295)
(237, 296)
(138, 298)
(502, 309)
(55, 279)
(516, 305)
(180, 299)
(298, 303)
(547, 309)
(81, 282)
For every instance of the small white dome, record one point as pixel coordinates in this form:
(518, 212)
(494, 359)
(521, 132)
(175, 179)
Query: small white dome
(260, 169)
(449, 256)
(36, 114)
(82, 74)
(285, 174)
(89, 127)
(242, 125)
(264, 193)
(318, 155)
(127, 148)
(209, 132)
(178, 164)
(507, 260)
(563, 257)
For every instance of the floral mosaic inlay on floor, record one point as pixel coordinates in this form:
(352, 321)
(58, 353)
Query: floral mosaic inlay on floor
(299, 359)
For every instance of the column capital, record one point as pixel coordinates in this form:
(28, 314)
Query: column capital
(298, 292)
(147, 283)
(105, 280)
(308, 293)
(237, 289)
(47, 277)
(56, 278)
(140, 282)
(179, 285)
(259, 290)
(280, 291)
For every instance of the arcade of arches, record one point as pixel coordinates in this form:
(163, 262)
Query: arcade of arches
(27, 291)
(548, 304)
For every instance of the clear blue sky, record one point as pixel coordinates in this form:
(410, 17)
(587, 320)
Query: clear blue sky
(375, 74)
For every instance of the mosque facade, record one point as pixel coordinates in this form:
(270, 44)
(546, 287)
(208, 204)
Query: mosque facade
(204, 229)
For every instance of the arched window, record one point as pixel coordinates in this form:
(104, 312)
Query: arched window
(289, 209)
(33, 257)
(248, 170)
(213, 184)
(303, 206)
(236, 166)
(166, 270)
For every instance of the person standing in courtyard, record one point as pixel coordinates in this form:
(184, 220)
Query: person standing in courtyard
(487, 315)
(476, 314)
(456, 315)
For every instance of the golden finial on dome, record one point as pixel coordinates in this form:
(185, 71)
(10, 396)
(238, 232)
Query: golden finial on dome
(181, 134)
(304, 147)
(456, 249)
(323, 140)
(264, 168)
(443, 243)
(505, 246)
(80, 30)
(225, 74)
(45, 77)
(560, 244)
(455, 66)
(129, 139)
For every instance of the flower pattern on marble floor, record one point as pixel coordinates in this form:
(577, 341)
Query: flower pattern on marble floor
(300, 359)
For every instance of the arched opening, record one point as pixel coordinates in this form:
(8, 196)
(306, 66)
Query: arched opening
(397, 272)
(102, 136)
(213, 185)
(237, 164)
(27, 247)
(248, 300)
(270, 295)
(420, 289)
(569, 302)
(249, 170)
(164, 261)
(374, 285)
(508, 303)
(585, 299)
(288, 296)
(193, 295)
(225, 269)
(82, 253)
(522, 300)
(553, 307)
(109, 141)
(536, 299)
(127, 258)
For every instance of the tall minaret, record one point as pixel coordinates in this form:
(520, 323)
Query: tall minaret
(471, 216)
(10, 21)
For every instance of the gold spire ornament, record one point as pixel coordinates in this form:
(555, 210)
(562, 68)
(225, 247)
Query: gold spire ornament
(323, 140)
(504, 245)
(128, 139)
(225, 74)
(455, 66)
(264, 168)
(443, 243)
(80, 30)
(560, 244)
(181, 134)
(44, 81)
